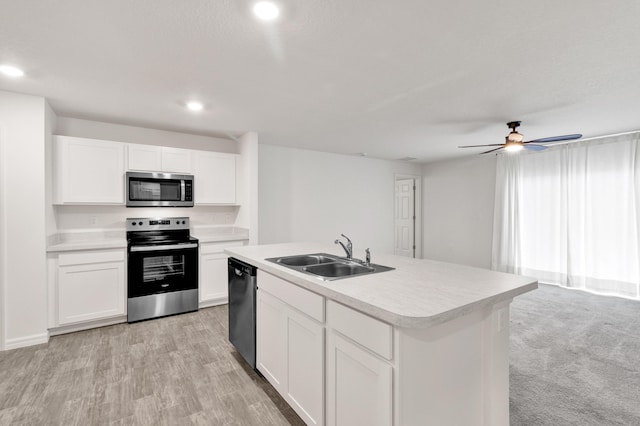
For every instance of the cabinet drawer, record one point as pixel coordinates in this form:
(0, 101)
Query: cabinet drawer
(303, 300)
(367, 331)
(208, 248)
(92, 256)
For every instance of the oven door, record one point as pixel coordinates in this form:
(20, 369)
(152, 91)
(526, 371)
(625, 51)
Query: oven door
(155, 269)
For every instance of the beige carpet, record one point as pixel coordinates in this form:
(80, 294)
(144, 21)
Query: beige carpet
(575, 359)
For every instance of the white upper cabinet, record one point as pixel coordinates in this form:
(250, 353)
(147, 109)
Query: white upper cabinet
(159, 159)
(176, 160)
(215, 177)
(144, 157)
(91, 171)
(88, 171)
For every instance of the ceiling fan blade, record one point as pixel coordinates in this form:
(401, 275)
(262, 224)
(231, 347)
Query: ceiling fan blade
(556, 138)
(475, 146)
(534, 147)
(491, 150)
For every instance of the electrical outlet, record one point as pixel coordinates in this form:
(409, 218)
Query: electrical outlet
(93, 220)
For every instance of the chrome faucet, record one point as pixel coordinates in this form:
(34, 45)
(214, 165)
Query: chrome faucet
(367, 259)
(348, 248)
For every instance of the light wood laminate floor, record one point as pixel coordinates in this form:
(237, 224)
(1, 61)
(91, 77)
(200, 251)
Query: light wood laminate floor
(178, 370)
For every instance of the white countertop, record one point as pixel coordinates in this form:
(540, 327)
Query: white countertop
(86, 240)
(209, 234)
(111, 239)
(418, 293)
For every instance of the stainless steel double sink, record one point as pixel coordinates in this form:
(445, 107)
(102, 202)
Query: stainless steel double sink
(328, 267)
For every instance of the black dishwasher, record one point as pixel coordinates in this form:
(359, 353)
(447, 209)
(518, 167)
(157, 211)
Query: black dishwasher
(242, 309)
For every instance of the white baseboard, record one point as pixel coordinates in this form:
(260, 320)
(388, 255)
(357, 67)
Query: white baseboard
(21, 342)
(213, 302)
(87, 325)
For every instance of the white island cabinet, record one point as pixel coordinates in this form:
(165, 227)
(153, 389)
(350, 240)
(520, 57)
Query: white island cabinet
(423, 344)
(359, 351)
(290, 344)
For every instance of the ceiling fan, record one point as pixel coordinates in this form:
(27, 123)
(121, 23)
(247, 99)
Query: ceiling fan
(513, 141)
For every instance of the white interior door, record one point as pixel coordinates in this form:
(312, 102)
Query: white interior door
(405, 218)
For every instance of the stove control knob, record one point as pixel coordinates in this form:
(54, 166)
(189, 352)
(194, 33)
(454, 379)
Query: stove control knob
(183, 222)
(133, 223)
(140, 223)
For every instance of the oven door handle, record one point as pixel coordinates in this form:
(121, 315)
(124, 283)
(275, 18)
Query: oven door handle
(165, 247)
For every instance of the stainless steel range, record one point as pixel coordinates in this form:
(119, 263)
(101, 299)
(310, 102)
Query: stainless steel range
(162, 268)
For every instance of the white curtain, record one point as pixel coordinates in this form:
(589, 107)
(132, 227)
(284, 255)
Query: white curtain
(570, 215)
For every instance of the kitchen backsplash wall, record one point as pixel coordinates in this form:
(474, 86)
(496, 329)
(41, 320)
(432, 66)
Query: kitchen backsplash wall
(75, 218)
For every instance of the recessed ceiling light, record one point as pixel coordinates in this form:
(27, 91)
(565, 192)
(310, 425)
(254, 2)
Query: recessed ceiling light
(195, 106)
(11, 71)
(266, 10)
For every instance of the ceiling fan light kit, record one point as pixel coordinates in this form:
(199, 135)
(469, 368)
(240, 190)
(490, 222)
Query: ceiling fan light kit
(513, 142)
(513, 146)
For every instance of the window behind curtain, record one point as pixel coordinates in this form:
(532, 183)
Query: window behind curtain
(570, 215)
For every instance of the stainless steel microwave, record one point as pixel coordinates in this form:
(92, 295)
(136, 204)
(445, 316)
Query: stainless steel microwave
(157, 189)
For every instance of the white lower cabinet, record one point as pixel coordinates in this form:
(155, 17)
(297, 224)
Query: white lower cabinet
(271, 325)
(290, 348)
(305, 372)
(89, 286)
(359, 368)
(356, 363)
(213, 280)
(359, 385)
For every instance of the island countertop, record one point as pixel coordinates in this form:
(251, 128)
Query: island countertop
(419, 293)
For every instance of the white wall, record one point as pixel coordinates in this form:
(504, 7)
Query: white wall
(50, 130)
(315, 196)
(76, 218)
(247, 184)
(458, 199)
(23, 122)
(117, 132)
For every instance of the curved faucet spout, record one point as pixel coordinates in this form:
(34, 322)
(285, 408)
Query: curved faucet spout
(348, 248)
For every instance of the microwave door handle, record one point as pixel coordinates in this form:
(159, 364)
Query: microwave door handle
(182, 188)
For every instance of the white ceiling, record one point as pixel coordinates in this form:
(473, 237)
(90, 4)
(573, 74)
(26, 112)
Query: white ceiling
(392, 79)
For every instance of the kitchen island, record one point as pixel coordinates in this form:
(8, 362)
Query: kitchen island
(423, 344)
